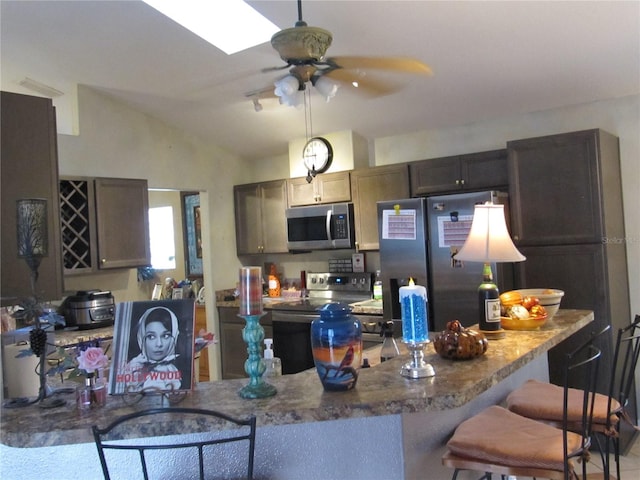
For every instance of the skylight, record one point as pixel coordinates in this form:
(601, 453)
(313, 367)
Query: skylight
(230, 25)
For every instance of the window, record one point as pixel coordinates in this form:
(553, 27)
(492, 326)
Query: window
(163, 245)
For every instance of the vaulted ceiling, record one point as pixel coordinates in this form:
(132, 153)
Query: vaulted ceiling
(490, 59)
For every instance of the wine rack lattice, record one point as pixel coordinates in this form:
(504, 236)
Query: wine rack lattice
(75, 225)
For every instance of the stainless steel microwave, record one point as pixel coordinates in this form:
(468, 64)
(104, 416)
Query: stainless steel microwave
(320, 227)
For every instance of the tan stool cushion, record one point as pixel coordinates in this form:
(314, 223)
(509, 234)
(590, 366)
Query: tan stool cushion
(499, 436)
(544, 401)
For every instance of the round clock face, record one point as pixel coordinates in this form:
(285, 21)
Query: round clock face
(317, 155)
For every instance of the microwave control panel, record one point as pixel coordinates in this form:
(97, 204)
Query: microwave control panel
(340, 227)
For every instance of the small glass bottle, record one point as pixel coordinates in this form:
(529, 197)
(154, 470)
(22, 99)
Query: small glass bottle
(377, 287)
(83, 393)
(389, 346)
(273, 364)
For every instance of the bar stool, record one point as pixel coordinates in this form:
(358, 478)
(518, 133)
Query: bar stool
(210, 433)
(499, 441)
(543, 401)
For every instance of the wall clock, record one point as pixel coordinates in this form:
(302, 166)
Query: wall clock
(317, 155)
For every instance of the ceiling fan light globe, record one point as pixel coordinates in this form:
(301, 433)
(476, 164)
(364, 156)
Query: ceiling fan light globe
(294, 100)
(326, 87)
(286, 86)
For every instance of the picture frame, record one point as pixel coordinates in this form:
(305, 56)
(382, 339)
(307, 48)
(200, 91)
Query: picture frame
(138, 367)
(192, 234)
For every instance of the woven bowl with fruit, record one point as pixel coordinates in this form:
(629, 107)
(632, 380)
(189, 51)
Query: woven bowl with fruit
(521, 312)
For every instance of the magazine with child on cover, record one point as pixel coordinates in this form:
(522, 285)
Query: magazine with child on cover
(153, 347)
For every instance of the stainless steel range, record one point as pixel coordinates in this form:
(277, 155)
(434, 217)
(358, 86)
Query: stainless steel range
(292, 319)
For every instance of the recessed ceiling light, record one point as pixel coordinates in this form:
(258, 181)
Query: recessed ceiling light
(230, 25)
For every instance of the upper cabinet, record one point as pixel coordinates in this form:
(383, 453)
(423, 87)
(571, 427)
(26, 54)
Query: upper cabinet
(371, 185)
(122, 222)
(105, 223)
(29, 169)
(474, 171)
(261, 225)
(565, 189)
(324, 188)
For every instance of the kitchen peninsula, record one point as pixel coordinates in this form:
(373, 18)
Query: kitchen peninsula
(388, 427)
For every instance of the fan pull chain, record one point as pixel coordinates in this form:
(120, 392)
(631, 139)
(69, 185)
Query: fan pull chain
(308, 119)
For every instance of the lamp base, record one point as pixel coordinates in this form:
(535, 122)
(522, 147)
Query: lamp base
(494, 334)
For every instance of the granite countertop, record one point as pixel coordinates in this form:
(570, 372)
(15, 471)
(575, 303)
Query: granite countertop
(380, 390)
(70, 337)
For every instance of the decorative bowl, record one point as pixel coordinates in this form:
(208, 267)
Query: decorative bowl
(531, 323)
(550, 298)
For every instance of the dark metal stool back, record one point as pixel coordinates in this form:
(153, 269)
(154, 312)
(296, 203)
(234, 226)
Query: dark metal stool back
(625, 361)
(209, 436)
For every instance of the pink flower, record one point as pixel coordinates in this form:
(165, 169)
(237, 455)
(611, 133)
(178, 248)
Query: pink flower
(92, 359)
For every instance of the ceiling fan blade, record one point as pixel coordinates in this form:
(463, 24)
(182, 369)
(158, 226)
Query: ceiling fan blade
(274, 69)
(367, 84)
(399, 64)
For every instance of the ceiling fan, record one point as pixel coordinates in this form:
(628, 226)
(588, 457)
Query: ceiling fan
(303, 49)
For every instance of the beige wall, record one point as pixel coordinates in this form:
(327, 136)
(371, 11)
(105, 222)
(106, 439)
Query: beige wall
(116, 141)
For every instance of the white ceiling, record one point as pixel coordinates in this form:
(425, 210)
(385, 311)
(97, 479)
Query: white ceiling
(490, 59)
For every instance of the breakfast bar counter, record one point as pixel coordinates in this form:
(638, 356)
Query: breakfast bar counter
(389, 425)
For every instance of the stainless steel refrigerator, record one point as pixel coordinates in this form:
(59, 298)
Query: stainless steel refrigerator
(418, 239)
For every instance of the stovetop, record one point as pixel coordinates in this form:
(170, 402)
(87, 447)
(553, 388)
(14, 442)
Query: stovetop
(303, 304)
(325, 288)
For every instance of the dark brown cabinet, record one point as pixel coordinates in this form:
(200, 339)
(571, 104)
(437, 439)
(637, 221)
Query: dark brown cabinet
(474, 171)
(567, 219)
(122, 222)
(325, 188)
(233, 348)
(560, 187)
(261, 225)
(29, 169)
(372, 185)
(105, 223)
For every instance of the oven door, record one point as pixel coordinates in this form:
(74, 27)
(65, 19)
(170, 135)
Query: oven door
(292, 340)
(370, 340)
(292, 337)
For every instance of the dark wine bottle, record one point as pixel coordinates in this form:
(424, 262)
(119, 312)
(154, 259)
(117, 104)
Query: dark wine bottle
(489, 302)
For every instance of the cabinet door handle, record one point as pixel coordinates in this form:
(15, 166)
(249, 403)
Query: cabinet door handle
(103, 261)
(457, 182)
(462, 182)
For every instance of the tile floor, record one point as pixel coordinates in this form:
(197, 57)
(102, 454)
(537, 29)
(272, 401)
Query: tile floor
(629, 465)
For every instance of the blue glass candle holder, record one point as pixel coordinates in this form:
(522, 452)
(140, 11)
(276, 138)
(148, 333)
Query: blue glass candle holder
(253, 334)
(415, 330)
(250, 286)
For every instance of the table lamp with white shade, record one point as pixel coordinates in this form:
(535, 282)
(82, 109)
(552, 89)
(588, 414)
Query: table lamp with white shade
(489, 241)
